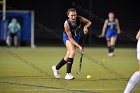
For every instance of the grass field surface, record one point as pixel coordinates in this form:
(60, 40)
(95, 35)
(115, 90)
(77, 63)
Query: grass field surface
(26, 70)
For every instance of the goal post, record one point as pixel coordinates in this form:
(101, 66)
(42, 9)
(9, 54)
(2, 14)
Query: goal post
(26, 19)
(3, 3)
(32, 30)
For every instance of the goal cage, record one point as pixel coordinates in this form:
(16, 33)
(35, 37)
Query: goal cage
(25, 19)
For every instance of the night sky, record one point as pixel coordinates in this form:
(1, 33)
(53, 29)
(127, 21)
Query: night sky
(52, 13)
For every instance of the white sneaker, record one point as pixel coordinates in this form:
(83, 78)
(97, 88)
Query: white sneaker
(55, 71)
(111, 54)
(69, 76)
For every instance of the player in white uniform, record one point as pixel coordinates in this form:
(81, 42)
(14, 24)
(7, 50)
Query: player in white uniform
(135, 78)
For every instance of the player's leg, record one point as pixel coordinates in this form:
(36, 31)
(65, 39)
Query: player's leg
(138, 53)
(71, 50)
(15, 40)
(8, 40)
(108, 36)
(112, 44)
(135, 78)
(62, 62)
(108, 45)
(139, 66)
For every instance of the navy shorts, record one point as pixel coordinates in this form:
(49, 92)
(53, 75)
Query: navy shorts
(65, 37)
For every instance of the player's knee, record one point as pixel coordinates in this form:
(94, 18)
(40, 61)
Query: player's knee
(113, 44)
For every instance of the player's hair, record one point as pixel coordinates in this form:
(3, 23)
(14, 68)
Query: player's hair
(71, 10)
(111, 13)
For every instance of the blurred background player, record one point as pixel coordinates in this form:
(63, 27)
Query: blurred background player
(110, 30)
(135, 78)
(71, 36)
(13, 29)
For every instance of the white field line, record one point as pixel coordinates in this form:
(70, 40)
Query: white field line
(38, 89)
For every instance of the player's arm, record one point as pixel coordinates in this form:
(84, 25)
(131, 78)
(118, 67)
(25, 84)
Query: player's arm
(138, 35)
(104, 28)
(9, 27)
(86, 22)
(118, 26)
(68, 32)
(19, 27)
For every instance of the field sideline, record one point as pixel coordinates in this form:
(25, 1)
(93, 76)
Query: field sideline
(26, 70)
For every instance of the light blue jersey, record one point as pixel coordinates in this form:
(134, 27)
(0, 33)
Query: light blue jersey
(14, 27)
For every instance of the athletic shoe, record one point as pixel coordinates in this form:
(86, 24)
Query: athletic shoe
(111, 54)
(55, 71)
(69, 76)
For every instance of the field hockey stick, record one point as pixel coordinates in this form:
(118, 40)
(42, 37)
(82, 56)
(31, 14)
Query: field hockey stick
(80, 65)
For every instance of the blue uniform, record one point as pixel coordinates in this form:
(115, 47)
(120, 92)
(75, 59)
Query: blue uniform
(111, 30)
(75, 31)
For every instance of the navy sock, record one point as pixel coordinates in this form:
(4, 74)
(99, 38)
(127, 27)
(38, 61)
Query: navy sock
(69, 65)
(60, 64)
(109, 49)
(112, 48)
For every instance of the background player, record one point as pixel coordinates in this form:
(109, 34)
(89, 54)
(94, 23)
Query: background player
(13, 29)
(110, 30)
(71, 36)
(135, 78)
